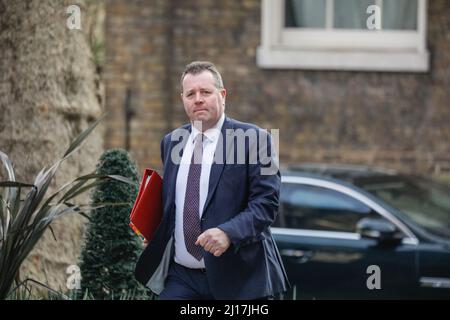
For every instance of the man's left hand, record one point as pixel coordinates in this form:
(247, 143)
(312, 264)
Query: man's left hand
(214, 241)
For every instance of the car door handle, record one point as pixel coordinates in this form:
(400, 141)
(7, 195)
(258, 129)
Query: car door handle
(299, 256)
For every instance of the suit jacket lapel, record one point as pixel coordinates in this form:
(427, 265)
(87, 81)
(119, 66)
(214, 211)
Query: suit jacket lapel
(174, 167)
(217, 168)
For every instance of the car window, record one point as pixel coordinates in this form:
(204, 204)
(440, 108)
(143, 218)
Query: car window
(425, 202)
(317, 208)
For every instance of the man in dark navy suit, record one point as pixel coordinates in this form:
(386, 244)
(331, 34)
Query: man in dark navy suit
(220, 195)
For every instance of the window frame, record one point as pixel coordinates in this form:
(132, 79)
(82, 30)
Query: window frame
(340, 49)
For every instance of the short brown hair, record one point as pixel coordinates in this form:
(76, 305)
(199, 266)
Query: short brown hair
(197, 67)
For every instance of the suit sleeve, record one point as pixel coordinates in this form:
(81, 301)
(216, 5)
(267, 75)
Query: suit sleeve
(263, 199)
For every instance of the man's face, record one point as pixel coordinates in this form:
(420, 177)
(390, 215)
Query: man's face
(202, 100)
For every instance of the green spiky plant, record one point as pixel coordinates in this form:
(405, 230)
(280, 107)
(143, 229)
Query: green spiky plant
(112, 248)
(24, 219)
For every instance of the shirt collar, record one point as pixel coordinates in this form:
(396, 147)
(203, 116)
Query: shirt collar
(212, 134)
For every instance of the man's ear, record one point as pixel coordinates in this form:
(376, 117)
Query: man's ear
(223, 93)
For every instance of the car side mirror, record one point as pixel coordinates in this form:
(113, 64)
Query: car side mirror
(378, 229)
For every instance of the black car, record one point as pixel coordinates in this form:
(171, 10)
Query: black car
(347, 232)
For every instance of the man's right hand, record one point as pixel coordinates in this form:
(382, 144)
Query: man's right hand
(214, 240)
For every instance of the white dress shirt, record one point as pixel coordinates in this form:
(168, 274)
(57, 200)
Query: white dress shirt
(182, 256)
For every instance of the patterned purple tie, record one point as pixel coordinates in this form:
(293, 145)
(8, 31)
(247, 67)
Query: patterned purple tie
(191, 215)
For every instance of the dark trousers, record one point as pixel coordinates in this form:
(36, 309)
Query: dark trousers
(186, 284)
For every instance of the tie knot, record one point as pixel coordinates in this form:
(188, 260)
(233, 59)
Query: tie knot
(199, 138)
(198, 149)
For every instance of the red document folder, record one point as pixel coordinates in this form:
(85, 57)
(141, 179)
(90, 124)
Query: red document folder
(147, 209)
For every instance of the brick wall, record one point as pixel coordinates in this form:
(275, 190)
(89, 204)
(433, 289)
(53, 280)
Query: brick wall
(397, 120)
(137, 52)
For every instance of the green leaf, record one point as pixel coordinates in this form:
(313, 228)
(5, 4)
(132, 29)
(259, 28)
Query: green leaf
(23, 221)
(122, 179)
(8, 166)
(77, 142)
(15, 184)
